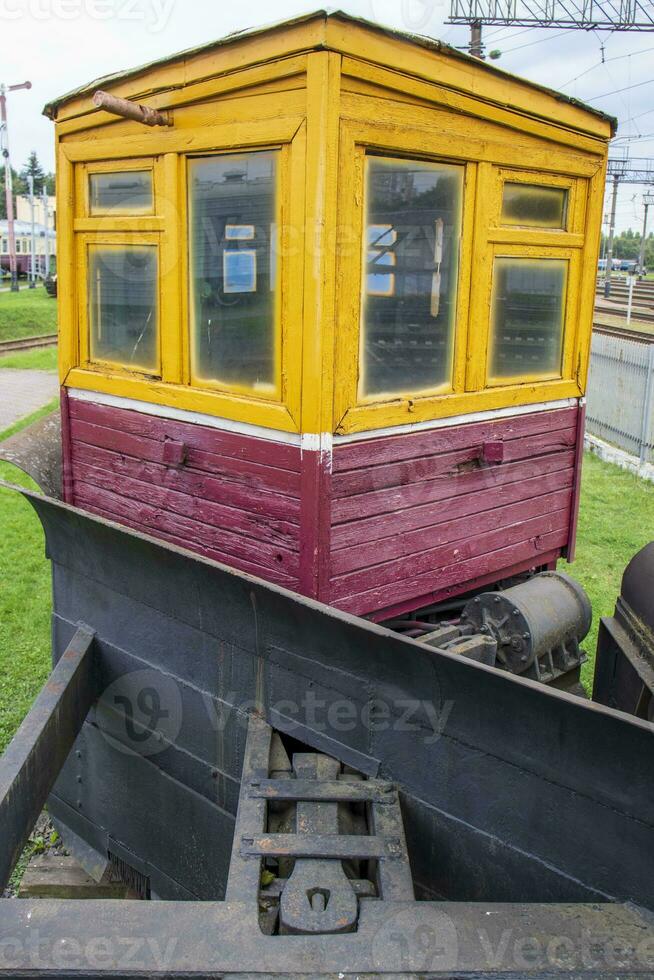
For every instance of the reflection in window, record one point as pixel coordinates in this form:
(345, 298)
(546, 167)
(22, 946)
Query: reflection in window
(123, 305)
(528, 317)
(127, 192)
(528, 204)
(233, 276)
(412, 251)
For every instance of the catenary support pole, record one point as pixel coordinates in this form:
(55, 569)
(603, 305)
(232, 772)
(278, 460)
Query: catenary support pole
(609, 252)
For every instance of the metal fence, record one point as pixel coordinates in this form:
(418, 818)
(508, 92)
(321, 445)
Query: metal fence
(621, 394)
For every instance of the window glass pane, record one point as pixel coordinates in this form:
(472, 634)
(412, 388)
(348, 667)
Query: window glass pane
(124, 193)
(123, 305)
(412, 233)
(527, 324)
(233, 235)
(527, 204)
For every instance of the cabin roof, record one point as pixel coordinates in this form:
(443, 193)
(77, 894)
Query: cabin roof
(431, 44)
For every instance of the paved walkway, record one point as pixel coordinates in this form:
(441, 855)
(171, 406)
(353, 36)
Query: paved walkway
(22, 392)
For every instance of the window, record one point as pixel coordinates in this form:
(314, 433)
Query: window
(528, 305)
(122, 305)
(534, 205)
(413, 227)
(124, 192)
(233, 279)
(18, 245)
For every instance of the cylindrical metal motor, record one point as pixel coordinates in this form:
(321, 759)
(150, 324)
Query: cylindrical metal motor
(538, 624)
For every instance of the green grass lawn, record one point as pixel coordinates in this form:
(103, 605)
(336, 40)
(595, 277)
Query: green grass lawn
(28, 313)
(39, 360)
(616, 520)
(25, 601)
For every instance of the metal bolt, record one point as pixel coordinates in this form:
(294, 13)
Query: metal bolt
(516, 612)
(477, 599)
(78, 754)
(79, 779)
(497, 599)
(79, 804)
(525, 636)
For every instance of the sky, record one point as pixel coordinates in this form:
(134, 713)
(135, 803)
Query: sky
(60, 44)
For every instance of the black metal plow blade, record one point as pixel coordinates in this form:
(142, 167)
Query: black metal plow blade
(215, 731)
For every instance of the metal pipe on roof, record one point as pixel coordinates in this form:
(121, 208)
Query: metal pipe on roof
(131, 110)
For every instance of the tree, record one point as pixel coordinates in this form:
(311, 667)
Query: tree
(32, 169)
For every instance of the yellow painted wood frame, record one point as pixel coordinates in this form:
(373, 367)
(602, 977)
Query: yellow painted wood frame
(482, 238)
(168, 225)
(570, 308)
(280, 324)
(84, 244)
(83, 187)
(325, 89)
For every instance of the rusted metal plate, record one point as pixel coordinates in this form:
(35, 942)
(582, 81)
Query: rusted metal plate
(180, 940)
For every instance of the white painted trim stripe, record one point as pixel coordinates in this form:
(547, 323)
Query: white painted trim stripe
(310, 441)
(181, 415)
(497, 413)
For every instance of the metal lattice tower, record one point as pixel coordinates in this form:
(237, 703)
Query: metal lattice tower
(613, 15)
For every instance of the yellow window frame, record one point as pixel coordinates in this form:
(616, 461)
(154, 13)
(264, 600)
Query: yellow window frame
(168, 153)
(482, 235)
(108, 220)
(280, 322)
(352, 412)
(570, 306)
(118, 240)
(574, 215)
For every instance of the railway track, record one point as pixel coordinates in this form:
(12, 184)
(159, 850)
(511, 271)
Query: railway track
(626, 332)
(644, 316)
(27, 343)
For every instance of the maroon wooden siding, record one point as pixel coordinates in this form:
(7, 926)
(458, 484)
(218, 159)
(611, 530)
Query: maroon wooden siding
(380, 527)
(230, 497)
(416, 518)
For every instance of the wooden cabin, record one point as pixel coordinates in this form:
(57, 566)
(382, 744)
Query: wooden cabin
(330, 323)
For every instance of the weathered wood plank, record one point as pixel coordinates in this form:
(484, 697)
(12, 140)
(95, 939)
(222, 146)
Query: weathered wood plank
(429, 467)
(390, 449)
(425, 588)
(413, 543)
(388, 501)
(238, 470)
(232, 546)
(257, 527)
(409, 519)
(59, 876)
(402, 572)
(218, 489)
(281, 455)
(278, 577)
